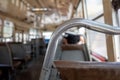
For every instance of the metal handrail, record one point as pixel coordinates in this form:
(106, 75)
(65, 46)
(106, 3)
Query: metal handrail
(92, 25)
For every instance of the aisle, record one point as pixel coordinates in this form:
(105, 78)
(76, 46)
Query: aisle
(33, 70)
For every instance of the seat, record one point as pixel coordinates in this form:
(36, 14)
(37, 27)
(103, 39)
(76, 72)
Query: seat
(19, 52)
(39, 46)
(69, 52)
(5, 55)
(7, 65)
(74, 70)
(73, 52)
(27, 48)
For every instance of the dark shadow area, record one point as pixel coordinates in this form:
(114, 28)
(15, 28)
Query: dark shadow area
(33, 70)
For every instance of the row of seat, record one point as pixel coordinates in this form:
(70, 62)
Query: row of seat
(12, 57)
(75, 64)
(74, 70)
(38, 46)
(69, 52)
(74, 52)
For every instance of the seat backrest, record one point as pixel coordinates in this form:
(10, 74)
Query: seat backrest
(17, 50)
(5, 55)
(72, 52)
(42, 42)
(27, 48)
(71, 70)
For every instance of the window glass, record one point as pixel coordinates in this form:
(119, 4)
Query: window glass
(25, 38)
(118, 16)
(20, 37)
(32, 33)
(116, 22)
(94, 8)
(97, 41)
(47, 36)
(8, 28)
(8, 40)
(16, 37)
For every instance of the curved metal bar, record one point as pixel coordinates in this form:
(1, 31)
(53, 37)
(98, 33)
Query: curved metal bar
(92, 25)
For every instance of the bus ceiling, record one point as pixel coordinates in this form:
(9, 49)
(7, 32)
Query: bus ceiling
(43, 13)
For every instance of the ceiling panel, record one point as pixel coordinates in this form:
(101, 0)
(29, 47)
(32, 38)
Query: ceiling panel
(61, 6)
(34, 3)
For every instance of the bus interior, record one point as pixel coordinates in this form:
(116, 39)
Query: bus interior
(59, 40)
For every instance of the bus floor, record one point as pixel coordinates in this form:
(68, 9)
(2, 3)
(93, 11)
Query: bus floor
(32, 72)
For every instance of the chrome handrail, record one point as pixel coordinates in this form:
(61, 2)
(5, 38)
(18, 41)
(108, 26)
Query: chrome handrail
(92, 25)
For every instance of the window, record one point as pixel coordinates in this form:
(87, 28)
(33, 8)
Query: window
(116, 22)
(94, 8)
(32, 33)
(96, 40)
(47, 36)
(8, 28)
(17, 37)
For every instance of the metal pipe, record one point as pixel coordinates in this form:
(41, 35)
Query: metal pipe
(92, 25)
